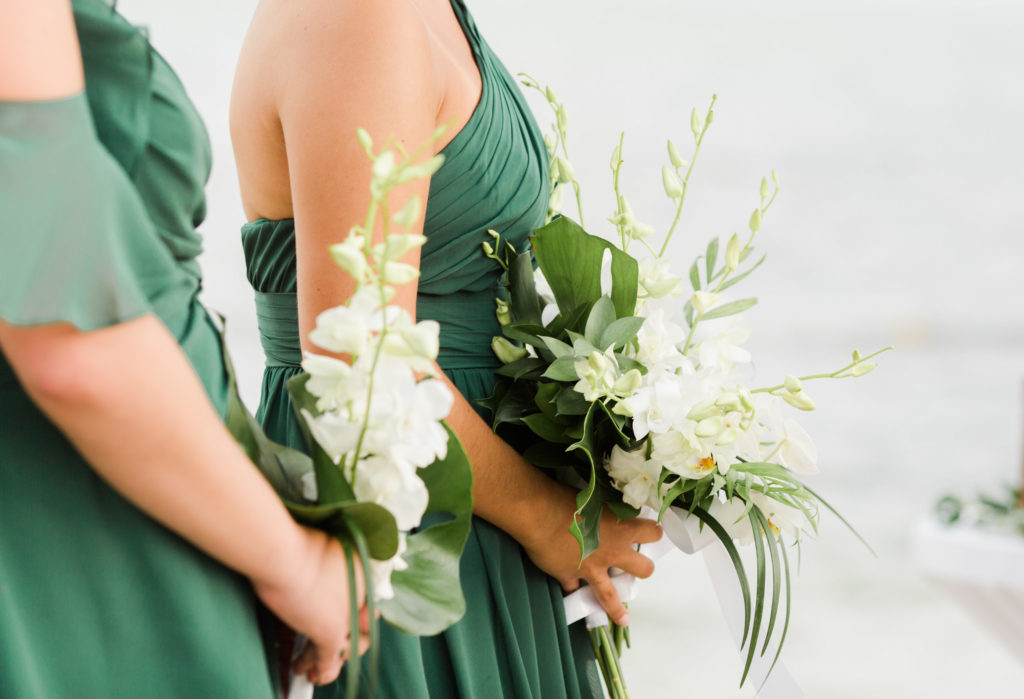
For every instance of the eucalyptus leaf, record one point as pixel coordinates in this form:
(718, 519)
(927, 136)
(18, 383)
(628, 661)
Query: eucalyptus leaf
(562, 369)
(620, 332)
(602, 314)
(740, 277)
(557, 347)
(521, 367)
(711, 257)
(731, 308)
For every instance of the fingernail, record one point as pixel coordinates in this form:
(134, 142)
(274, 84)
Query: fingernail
(624, 620)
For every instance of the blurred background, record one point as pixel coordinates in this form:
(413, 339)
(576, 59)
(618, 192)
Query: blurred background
(895, 129)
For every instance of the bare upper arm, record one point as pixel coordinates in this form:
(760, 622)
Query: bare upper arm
(39, 54)
(344, 65)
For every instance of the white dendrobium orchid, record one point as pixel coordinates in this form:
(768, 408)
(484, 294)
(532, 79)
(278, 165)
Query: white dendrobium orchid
(635, 475)
(656, 280)
(682, 452)
(785, 519)
(394, 486)
(658, 343)
(722, 351)
(600, 378)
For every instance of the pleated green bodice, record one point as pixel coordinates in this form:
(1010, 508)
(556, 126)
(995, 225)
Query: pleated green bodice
(513, 641)
(101, 193)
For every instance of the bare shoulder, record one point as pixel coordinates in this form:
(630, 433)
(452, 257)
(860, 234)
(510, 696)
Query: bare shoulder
(350, 49)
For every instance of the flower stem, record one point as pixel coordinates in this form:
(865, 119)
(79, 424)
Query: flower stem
(686, 178)
(837, 374)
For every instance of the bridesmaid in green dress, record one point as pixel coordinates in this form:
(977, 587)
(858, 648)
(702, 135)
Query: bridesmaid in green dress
(133, 531)
(310, 73)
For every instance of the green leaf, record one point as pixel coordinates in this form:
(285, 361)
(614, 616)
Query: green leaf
(428, 594)
(377, 524)
(730, 308)
(524, 300)
(620, 332)
(557, 347)
(521, 367)
(574, 320)
(711, 257)
(602, 314)
(562, 369)
(772, 545)
(580, 344)
(737, 562)
(526, 333)
(571, 402)
(511, 403)
(621, 510)
(755, 522)
(547, 455)
(628, 363)
(571, 260)
(545, 398)
(331, 485)
(785, 621)
(546, 428)
(586, 523)
(695, 275)
(740, 277)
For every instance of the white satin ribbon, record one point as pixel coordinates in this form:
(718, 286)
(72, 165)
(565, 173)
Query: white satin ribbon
(684, 533)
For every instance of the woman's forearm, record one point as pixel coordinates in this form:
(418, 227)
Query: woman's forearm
(129, 401)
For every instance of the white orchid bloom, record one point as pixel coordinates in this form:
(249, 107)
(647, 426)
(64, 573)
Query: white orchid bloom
(635, 476)
(598, 374)
(330, 380)
(336, 435)
(783, 518)
(656, 280)
(682, 452)
(722, 350)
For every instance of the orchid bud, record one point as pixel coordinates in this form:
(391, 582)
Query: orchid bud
(709, 427)
(505, 351)
(488, 250)
(550, 94)
(407, 215)
(616, 157)
(351, 259)
(695, 123)
(365, 141)
(399, 273)
(628, 382)
(502, 312)
(564, 169)
(775, 178)
(673, 156)
(703, 300)
(732, 253)
(557, 195)
(746, 399)
(728, 401)
(703, 410)
(673, 187)
(792, 384)
(755, 221)
(727, 436)
(862, 368)
(563, 118)
(856, 355)
(799, 400)
(549, 143)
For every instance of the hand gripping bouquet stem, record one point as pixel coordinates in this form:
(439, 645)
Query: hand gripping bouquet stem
(384, 472)
(618, 378)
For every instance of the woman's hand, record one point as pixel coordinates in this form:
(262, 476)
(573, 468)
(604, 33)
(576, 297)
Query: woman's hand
(314, 600)
(555, 551)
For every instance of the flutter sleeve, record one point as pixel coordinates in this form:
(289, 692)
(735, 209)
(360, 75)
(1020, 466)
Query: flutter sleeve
(76, 243)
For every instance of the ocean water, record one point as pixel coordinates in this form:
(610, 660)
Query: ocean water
(895, 129)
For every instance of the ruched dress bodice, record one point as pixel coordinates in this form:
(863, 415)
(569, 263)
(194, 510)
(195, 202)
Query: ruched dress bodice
(513, 641)
(101, 194)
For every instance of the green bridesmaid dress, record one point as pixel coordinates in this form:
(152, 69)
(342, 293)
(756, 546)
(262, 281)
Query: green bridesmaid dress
(513, 640)
(100, 195)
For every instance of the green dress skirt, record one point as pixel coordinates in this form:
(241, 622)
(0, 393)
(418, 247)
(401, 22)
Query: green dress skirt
(100, 195)
(513, 640)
